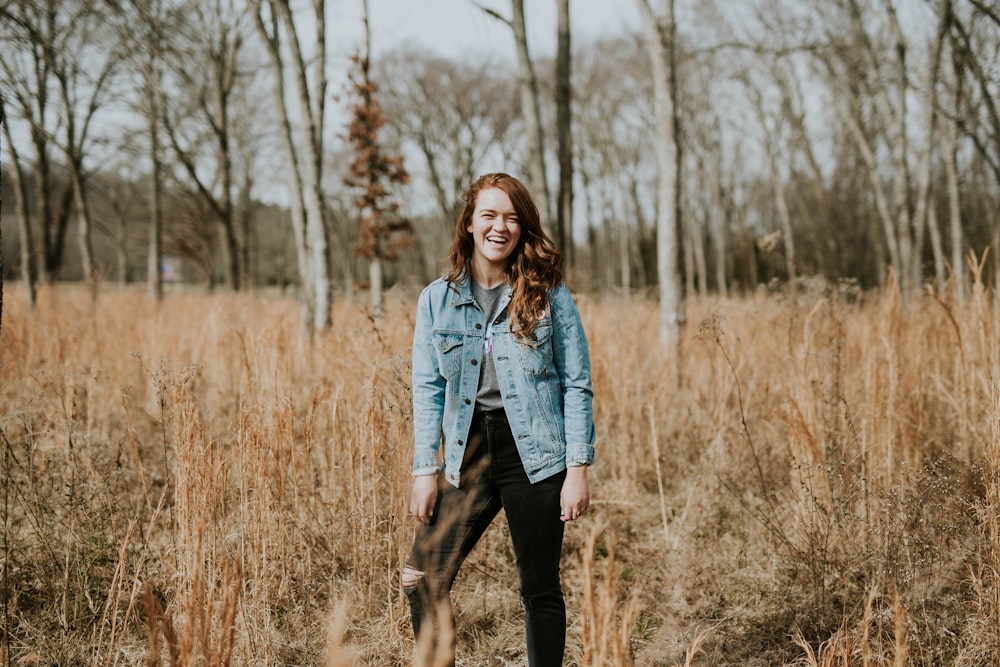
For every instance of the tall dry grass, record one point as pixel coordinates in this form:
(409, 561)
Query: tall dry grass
(194, 483)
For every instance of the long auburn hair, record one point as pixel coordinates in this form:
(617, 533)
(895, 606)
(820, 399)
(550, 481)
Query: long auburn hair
(533, 268)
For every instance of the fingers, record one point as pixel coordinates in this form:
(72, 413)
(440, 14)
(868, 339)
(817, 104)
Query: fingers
(423, 510)
(423, 498)
(573, 513)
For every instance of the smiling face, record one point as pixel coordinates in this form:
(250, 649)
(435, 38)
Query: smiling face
(495, 230)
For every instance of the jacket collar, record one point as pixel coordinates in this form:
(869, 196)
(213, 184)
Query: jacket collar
(462, 291)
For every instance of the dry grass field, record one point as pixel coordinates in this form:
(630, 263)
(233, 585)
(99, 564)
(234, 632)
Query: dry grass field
(195, 483)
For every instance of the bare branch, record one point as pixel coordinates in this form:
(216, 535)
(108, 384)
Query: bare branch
(985, 9)
(495, 14)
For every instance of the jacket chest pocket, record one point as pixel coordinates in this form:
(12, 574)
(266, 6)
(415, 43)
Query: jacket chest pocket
(448, 346)
(535, 352)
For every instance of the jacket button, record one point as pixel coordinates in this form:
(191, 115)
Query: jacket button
(459, 443)
(479, 326)
(474, 362)
(467, 401)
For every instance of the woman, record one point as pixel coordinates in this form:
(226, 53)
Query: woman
(501, 413)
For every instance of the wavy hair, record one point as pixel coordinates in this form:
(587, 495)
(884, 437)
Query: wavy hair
(535, 266)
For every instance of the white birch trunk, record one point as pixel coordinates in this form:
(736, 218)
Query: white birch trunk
(303, 168)
(660, 34)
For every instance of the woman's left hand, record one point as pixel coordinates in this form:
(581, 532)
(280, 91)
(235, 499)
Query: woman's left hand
(575, 497)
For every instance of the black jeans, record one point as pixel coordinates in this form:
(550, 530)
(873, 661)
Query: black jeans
(493, 478)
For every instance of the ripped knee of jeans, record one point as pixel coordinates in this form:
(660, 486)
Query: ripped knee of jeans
(411, 578)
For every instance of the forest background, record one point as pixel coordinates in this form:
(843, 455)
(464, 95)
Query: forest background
(781, 222)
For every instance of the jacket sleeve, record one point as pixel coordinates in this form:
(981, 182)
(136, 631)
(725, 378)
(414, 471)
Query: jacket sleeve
(428, 392)
(571, 355)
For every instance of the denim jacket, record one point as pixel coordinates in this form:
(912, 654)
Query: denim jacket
(545, 385)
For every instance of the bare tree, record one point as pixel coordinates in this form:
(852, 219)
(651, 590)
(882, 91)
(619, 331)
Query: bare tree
(25, 234)
(144, 25)
(83, 64)
(374, 173)
(29, 33)
(530, 106)
(923, 215)
(123, 200)
(614, 158)
(301, 118)
(452, 114)
(871, 83)
(660, 29)
(200, 129)
(978, 116)
(772, 140)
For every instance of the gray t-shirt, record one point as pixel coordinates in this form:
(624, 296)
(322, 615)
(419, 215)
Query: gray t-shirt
(488, 397)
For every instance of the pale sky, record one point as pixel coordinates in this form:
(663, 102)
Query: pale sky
(455, 27)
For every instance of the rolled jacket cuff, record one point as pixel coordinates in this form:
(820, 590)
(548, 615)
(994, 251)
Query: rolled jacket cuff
(579, 455)
(426, 462)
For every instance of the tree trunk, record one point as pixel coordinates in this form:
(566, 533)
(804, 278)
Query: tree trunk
(530, 108)
(717, 225)
(40, 180)
(878, 192)
(23, 217)
(224, 83)
(950, 151)
(245, 216)
(924, 216)
(646, 274)
(660, 32)
(154, 276)
(311, 113)
(604, 251)
(83, 223)
(781, 204)
(375, 284)
(564, 121)
(909, 261)
(154, 97)
(121, 251)
(697, 243)
(593, 220)
(624, 230)
(3, 124)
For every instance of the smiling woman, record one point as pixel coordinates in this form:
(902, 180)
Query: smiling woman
(495, 231)
(502, 415)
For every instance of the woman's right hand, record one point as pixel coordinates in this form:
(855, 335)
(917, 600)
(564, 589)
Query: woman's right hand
(423, 497)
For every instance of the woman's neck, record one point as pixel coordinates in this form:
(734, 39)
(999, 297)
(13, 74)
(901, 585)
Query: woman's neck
(488, 276)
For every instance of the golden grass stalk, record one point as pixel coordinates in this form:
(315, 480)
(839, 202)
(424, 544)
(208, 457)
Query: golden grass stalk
(607, 613)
